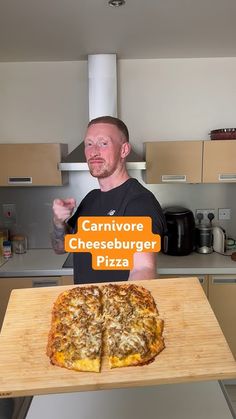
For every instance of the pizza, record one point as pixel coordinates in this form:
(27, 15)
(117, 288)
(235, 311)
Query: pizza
(120, 322)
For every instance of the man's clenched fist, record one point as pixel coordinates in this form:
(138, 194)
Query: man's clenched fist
(62, 210)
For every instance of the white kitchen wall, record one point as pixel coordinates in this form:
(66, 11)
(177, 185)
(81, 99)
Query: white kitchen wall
(171, 99)
(43, 102)
(177, 99)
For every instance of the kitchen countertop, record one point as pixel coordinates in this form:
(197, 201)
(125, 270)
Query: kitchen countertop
(36, 262)
(44, 262)
(196, 263)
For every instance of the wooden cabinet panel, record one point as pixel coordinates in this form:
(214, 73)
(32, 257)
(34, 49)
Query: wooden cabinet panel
(174, 161)
(222, 297)
(8, 284)
(31, 164)
(219, 162)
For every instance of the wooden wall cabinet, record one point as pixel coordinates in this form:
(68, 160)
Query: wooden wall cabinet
(191, 161)
(174, 162)
(32, 164)
(8, 284)
(222, 297)
(219, 161)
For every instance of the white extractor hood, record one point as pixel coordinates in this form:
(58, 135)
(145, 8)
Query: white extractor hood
(102, 77)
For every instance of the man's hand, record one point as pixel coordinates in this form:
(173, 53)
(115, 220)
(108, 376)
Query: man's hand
(145, 266)
(62, 210)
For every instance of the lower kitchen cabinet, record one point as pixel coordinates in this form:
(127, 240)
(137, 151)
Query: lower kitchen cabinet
(222, 297)
(9, 284)
(67, 280)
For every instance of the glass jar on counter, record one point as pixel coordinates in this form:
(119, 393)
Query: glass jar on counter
(19, 244)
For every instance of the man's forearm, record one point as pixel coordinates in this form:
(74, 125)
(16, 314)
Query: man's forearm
(57, 237)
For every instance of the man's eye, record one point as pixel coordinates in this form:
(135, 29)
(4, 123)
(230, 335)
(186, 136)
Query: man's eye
(88, 144)
(103, 143)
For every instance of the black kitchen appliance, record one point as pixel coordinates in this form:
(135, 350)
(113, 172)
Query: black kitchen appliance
(179, 239)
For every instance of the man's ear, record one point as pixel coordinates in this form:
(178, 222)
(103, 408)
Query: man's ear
(125, 150)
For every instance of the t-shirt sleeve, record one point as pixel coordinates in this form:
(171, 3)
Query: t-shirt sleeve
(147, 205)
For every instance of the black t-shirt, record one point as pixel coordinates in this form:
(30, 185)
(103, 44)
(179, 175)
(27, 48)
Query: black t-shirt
(130, 198)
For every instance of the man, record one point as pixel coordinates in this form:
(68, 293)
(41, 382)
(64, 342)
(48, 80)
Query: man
(106, 148)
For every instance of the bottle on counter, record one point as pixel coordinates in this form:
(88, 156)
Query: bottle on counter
(7, 253)
(1, 243)
(3, 237)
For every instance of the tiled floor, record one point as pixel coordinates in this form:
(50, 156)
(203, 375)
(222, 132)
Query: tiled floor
(231, 391)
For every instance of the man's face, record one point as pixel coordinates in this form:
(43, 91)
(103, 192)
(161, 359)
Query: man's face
(103, 149)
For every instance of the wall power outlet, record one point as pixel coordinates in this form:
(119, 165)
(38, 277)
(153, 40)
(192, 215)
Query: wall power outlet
(205, 213)
(9, 213)
(224, 213)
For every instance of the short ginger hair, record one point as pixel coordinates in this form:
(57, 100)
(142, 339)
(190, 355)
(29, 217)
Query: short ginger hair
(113, 121)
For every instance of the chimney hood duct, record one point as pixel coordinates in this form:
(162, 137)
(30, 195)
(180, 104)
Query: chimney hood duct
(102, 80)
(102, 85)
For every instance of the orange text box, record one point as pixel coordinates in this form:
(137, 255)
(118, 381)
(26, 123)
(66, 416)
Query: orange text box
(112, 241)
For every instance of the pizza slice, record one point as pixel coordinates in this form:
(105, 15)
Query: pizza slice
(132, 324)
(137, 342)
(75, 338)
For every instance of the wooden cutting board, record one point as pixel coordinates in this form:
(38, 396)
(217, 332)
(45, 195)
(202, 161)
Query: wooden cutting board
(195, 346)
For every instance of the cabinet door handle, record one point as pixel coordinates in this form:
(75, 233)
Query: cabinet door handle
(44, 283)
(223, 281)
(174, 178)
(17, 180)
(224, 177)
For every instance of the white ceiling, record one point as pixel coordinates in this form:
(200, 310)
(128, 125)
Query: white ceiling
(61, 30)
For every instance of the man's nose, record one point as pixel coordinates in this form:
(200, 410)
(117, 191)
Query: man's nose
(95, 150)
